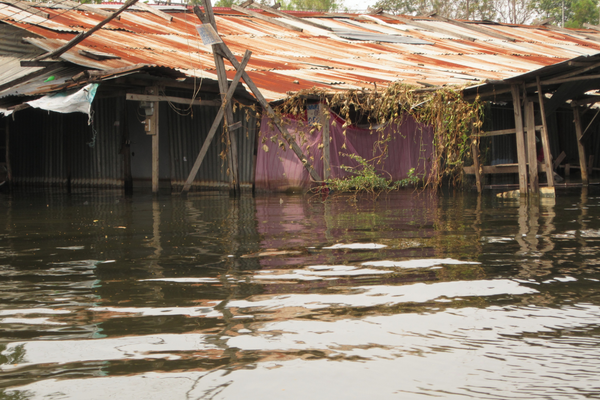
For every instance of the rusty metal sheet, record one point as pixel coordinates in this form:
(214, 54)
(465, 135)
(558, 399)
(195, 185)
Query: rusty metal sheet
(286, 61)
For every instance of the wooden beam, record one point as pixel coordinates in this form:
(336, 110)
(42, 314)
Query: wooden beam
(26, 6)
(171, 99)
(544, 136)
(587, 132)
(476, 28)
(503, 132)
(580, 146)
(324, 121)
(558, 160)
(154, 11)
(266, 19)
(288, 16)
(534, 183)
(432, 28)
(232, 156)
(84, 35)
(216, 123)
(572, 79)
(260, 98)
(578, 71)
(585, 101)
(520, 139)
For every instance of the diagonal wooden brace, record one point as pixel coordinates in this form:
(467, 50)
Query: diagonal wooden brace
(216, 123)
(224, 50)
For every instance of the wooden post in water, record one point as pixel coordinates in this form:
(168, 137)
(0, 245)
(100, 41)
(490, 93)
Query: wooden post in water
(324, 120)
(520, 139)
(475, 155)
(276, 120)
(232, 154)
(545, 140)
(580, 148)
(531, 145)
(7, 158)
(151, 127)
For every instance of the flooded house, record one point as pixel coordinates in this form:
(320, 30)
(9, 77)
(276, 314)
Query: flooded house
(179, 98)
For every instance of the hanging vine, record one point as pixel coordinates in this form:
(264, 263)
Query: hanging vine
(452, 118)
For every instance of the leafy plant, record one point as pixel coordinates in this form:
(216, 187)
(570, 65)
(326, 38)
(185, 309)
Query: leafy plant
(365, 179)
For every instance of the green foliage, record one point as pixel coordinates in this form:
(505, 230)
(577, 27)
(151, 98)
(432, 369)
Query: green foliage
(365, 179)
(225, 3)
(467, 9)
(583, 11)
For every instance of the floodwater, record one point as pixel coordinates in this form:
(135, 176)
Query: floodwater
(410, 296)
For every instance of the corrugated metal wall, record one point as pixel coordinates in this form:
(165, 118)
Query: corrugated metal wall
(47, 148)
(187, 135)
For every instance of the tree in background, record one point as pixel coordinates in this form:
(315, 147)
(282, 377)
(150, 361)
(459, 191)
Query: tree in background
(312, 5)
(583, 11)
(459, 9)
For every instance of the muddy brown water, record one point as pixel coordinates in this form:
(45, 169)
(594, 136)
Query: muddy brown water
(289, 297)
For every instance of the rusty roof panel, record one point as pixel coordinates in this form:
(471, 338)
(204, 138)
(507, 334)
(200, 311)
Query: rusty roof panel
(286, 61)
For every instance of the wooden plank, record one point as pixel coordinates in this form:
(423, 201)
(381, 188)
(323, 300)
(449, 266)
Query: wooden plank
(171, 99)
(154, 11)
(266, 19)
(324, 121)
(477, 28)
(82, 36)
(25, 6)
(260, 98)
(432, 28)
(288, 16)
(558, 160)
(580, 147)
(520, 139)
(216, 123)
(504, 132)
(534, 183)
(544, 136)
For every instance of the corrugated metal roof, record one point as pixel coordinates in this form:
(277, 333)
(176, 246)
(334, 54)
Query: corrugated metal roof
(285, 61)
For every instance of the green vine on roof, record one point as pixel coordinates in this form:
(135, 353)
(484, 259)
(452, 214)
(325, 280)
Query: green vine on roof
(453, 120)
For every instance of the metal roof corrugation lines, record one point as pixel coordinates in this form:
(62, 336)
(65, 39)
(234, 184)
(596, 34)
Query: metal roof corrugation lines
(142, 37)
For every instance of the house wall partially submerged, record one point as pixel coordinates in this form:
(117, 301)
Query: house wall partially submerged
(53, 149)
(278, 168)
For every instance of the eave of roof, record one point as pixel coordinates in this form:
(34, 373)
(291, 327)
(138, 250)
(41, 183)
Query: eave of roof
(286, 61)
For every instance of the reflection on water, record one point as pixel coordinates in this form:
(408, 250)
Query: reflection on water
(411, 296)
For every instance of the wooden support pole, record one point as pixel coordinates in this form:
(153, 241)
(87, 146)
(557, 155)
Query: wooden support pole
(152, 130)
(544, 136)
(216, 123)
(534, 183)
(580, 147)
(7, 158)
(261, 100)
(324, 121)
(82, 36)
(232, 154)
(475, 154)
(520, 139)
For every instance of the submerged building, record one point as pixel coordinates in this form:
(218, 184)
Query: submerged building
(90, 98)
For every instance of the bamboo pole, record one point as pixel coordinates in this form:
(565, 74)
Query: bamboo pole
(580, 147)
